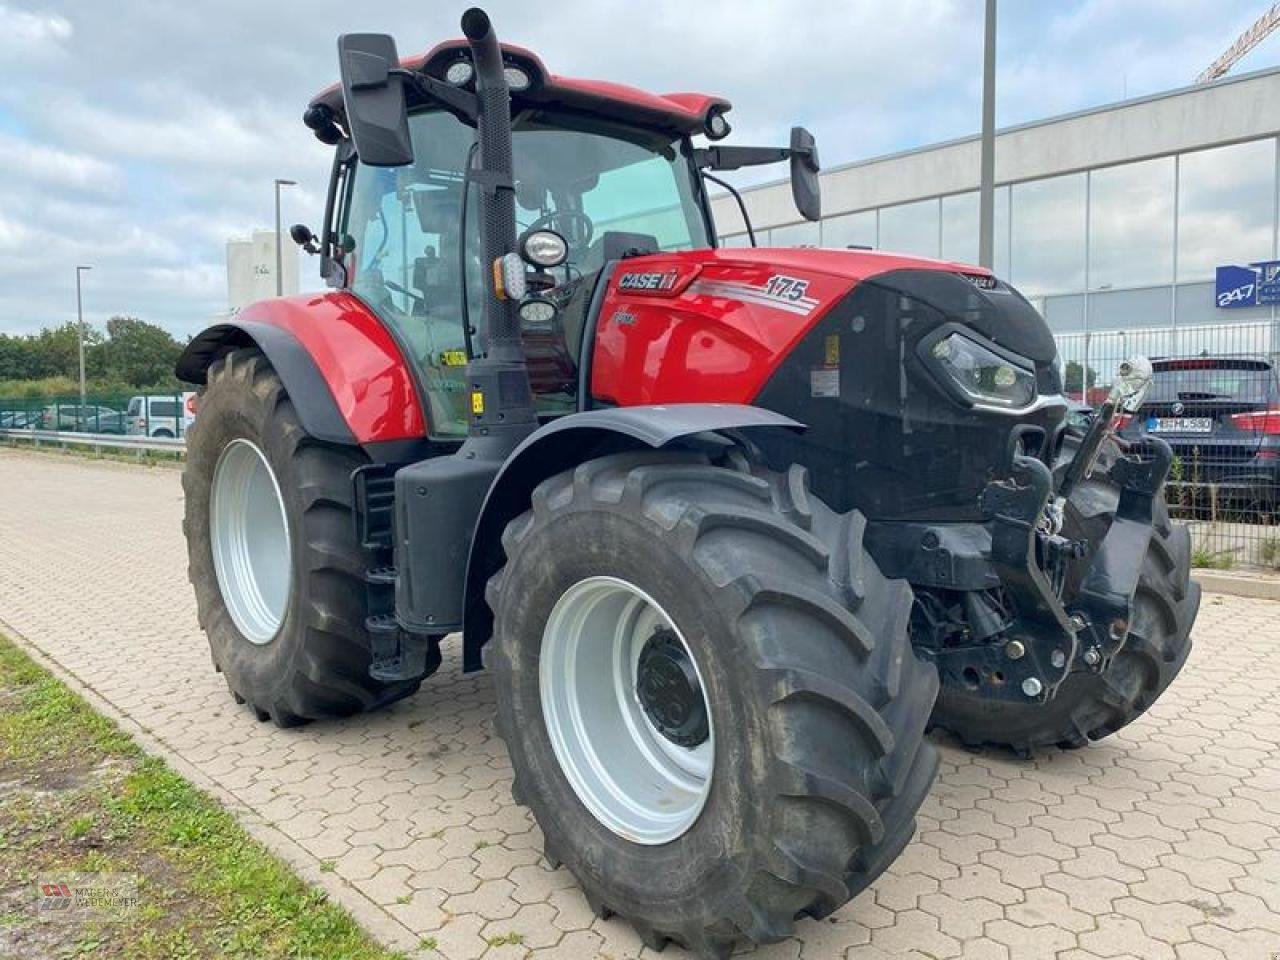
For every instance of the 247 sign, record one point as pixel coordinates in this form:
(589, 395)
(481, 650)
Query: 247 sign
(1252, 285)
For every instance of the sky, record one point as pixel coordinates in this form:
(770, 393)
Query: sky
(138, 136)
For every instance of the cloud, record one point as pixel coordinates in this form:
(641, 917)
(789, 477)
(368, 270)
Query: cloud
(52, 166)
(31, 36)
(138, 135)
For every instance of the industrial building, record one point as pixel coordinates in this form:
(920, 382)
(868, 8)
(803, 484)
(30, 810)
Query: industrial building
(1114, 221)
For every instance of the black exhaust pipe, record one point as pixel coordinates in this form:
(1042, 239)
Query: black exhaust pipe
(438, 499)
(501, 398)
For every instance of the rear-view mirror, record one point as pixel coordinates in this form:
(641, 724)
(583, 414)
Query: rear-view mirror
(373, 98)
(805, 188)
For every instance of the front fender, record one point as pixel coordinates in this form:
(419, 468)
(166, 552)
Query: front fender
(562, 444)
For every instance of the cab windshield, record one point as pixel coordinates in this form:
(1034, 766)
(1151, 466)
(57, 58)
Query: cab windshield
(415, 250)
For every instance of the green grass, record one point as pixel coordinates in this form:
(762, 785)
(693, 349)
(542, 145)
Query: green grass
(88, 800)
(1212, 559)
(1269, 552)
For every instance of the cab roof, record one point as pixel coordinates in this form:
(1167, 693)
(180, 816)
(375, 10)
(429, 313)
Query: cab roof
(675, 113)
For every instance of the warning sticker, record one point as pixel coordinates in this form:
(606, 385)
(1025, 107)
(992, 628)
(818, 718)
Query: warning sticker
(832, 350)
(824, 382)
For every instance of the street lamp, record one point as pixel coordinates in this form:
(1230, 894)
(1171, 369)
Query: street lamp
(279, 256)
(80, 329)
(987, 163)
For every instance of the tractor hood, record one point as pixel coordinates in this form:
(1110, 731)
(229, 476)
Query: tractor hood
(720, 322)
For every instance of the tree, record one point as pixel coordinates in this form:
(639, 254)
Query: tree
(1075, 377)
(139, 353)
(18, 359)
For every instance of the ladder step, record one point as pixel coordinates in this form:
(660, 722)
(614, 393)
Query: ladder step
(381, 576)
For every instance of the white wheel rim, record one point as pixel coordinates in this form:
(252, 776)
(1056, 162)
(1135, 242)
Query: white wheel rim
(634, 780)
(249, 537)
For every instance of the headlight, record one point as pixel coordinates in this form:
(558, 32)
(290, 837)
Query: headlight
(983, 375)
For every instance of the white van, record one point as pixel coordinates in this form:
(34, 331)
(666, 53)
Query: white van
(159, 415)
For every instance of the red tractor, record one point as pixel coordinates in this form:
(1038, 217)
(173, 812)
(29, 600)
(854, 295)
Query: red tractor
(731, 528)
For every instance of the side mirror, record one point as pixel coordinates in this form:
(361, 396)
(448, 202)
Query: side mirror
(374, 99)
(304, 238)
(805, 189)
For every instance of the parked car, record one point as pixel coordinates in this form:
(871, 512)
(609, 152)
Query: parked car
(19, 420)
(158, 415)
(87, 419)
(1221, 416)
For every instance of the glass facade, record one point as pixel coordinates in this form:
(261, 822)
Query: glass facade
(1131, 247)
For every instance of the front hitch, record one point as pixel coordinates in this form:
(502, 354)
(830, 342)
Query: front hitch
(1048, 635)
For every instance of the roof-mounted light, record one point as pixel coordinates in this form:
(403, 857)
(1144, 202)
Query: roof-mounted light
(518, 79)
(459, 73)
(715, 125)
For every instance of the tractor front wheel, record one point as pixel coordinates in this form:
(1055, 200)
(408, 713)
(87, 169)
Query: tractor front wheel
(709, 696)
(272, 552)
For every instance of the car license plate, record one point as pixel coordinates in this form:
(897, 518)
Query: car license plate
(1180, 424)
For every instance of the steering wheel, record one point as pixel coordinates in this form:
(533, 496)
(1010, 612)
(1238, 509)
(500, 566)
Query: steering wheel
(578, 228)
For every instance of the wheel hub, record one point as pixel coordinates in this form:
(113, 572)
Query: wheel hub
(614, 723)
(670, 692)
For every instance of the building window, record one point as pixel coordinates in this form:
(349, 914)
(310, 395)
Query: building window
(850, 230)
(960, 228)
(1131, 225)
(1048, 235)
(1226, 207)
(910, 228)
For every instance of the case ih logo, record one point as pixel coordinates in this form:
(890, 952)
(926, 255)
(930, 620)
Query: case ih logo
(663, 282)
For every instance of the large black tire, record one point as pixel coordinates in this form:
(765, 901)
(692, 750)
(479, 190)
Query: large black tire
(1090, 706)
(317, 665)
(818, 702)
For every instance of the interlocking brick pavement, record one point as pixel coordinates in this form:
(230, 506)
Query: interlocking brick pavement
(1160, 843)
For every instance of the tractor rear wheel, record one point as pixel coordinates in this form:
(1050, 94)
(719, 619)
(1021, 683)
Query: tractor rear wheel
(272, 554)
(709, 695)
(1090, 706)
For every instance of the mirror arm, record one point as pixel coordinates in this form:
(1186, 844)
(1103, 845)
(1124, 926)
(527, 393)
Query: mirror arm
(461, 103)
(733, 158)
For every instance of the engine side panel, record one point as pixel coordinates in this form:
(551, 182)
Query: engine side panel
(361, 363)
(712, 326)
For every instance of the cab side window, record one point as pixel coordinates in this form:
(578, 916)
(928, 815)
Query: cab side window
(406, 226)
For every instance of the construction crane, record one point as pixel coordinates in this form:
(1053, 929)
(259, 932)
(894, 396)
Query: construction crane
(1261, 28)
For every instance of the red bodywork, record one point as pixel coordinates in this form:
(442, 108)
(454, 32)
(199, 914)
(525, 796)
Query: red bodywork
(369, 379)
(707, 330)
(682, 113)
(714, 332)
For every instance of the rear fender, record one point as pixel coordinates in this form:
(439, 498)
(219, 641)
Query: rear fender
(342, 367)
(561, 445)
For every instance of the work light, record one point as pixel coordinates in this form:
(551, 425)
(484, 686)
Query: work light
(460, 72)
(543, 248)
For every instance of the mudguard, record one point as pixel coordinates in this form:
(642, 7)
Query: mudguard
(342, 367)
(558, 446)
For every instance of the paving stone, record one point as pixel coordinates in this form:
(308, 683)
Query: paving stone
(1159, 843)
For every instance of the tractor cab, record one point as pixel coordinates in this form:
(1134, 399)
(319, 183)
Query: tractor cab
(610, 169)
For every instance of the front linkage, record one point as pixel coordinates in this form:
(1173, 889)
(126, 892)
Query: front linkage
(1040, 605)
(1052, 632)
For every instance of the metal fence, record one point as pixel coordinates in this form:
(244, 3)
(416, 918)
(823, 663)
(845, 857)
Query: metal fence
(163, 416)
(1216, 401)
